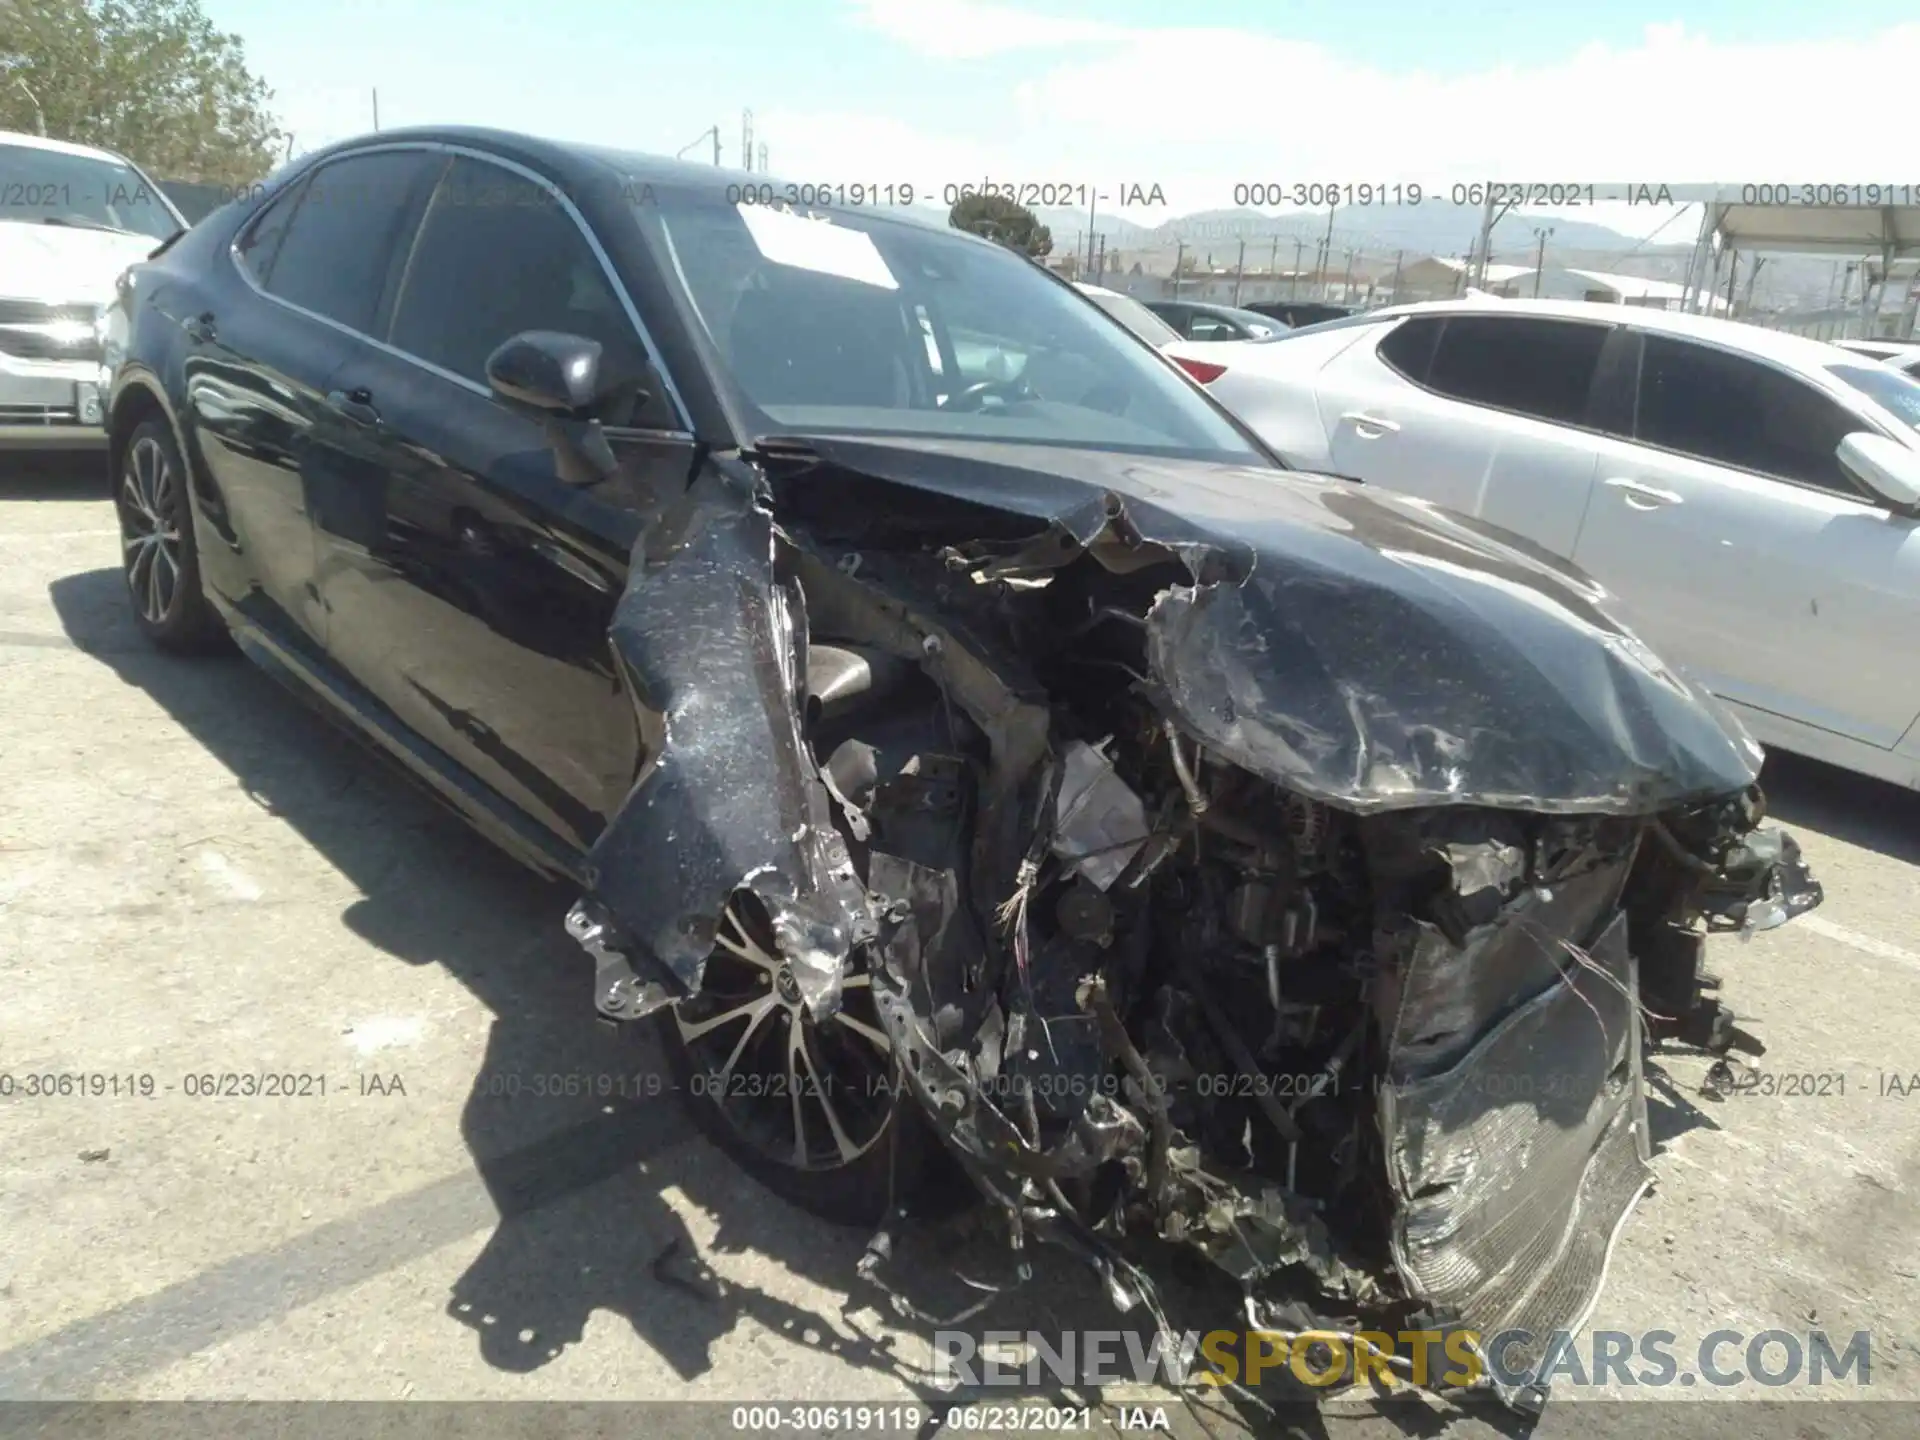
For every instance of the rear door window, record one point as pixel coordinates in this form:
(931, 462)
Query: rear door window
(1532, 366)
(1409, 346)
(260, 242)
(1730, 410)
(341, 238)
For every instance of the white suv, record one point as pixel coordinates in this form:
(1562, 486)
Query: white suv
(72, 218)
(1753, 498)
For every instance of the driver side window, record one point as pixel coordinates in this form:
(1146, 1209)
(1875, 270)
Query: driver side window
(497, 254)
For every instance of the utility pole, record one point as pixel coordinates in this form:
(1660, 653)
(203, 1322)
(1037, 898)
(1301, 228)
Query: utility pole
(376, 110)
(1540, 256)
(1239, 270)
(1179, 259)
(711, 130)
(1346, 285)
(1093, 204)
(1398, 256)
(1100, 264)
(1733, 273)
(1325, 262)
(762, 166)
(746, 140)
(1746, 306)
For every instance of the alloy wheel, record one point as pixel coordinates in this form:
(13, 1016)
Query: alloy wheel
(805, 1092)
(150, 513)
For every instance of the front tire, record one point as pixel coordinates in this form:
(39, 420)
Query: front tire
(811, 1108)
(158, 556)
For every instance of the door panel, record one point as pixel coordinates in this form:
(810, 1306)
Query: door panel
(1793, 600)
(255, 392)
(1478, 412)
(471, 590)
(1385, 430)
(308, 277)
(1538, 479)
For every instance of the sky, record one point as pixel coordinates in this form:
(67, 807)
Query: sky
(1196, 99)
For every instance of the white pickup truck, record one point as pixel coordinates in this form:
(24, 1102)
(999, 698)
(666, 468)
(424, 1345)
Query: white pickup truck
(71, 219)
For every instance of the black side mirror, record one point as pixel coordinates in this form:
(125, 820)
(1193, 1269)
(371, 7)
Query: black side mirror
(548, 371)
(559, 380)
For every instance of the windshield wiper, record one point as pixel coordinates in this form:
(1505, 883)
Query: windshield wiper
(81, 222)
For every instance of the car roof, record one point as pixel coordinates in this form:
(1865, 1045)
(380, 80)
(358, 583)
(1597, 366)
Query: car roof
(584, 165)
(1797, 351)
(60, 147)
(1217, 307)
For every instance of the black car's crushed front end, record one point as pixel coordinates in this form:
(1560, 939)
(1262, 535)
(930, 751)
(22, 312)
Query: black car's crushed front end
(1301, 885)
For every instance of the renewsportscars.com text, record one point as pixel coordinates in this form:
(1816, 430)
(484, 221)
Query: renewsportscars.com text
(1430, 1358)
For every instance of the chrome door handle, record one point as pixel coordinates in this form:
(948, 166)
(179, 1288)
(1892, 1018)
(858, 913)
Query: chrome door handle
(1378, 423)
(1643, 497)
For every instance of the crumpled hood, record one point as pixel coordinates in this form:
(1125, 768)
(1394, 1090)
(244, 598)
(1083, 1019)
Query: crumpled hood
(64, 264)
(1369, 650)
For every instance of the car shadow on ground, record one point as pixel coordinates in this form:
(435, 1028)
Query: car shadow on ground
(581, 1180)
(1855, 808)
(75, 475)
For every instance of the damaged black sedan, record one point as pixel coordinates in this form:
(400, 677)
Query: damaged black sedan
(970, 746)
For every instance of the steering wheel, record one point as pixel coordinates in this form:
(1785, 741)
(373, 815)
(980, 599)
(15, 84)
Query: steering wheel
(978, 393)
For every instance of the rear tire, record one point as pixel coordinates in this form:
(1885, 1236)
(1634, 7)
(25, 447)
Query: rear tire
(158, 556)
(862, 1145)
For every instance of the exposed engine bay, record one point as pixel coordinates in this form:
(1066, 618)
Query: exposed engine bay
(1169, 925)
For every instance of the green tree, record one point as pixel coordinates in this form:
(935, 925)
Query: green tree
(999, 218)
(153, 80)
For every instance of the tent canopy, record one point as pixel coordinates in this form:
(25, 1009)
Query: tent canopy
(1888, 231)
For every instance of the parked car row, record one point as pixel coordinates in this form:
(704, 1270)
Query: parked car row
(1201, 320)
(1752, 497)
(900, 656)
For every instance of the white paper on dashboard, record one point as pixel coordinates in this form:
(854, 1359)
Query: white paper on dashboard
(818, 245)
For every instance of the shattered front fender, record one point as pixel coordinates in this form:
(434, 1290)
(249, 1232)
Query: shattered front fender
(711, 639)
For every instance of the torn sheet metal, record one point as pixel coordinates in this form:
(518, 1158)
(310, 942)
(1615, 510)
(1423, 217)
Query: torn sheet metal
(1100, 823)
(1364, 649)
(1358, 1028)
(1763, 883)
(1513, 1167)
(710, 639)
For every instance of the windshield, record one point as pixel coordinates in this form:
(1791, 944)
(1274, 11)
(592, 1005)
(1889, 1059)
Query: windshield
(841, 322)
(1229, 322)
(1886, 387)
(50, 187)
(1135, 316)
